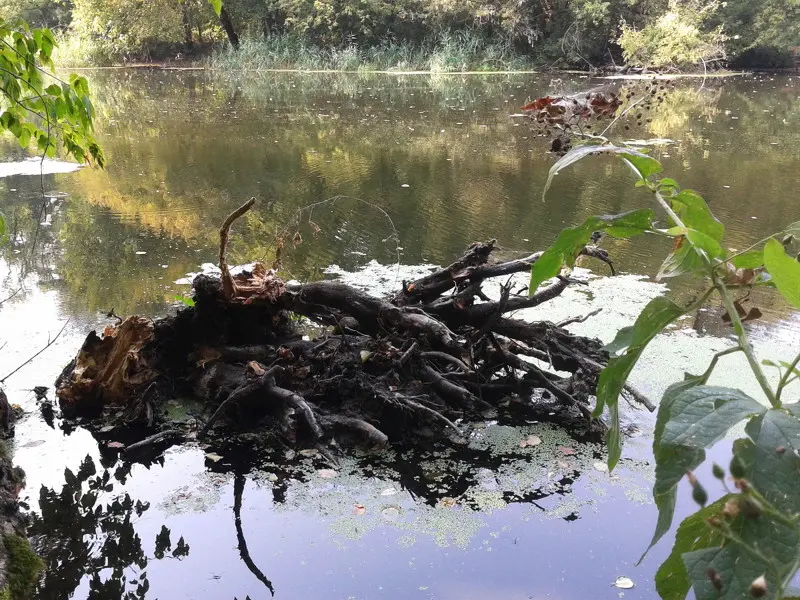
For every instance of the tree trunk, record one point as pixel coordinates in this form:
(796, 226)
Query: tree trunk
(187, 27)
(227, 25)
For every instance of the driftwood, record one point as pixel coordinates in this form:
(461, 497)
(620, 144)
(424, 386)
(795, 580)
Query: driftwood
(391, 368)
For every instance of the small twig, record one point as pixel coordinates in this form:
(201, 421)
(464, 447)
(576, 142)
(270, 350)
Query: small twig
(640, 398)
(408, 354)
(10, 296)
(447, 357)
(582, 319)
(49, 343)
(434, 413)
(228, 286)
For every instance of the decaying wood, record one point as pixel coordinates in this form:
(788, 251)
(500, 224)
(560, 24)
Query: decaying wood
(436, 351)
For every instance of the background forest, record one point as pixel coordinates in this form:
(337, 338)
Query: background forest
(434, 35)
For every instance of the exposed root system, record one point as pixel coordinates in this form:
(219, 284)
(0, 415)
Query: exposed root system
(383, 370)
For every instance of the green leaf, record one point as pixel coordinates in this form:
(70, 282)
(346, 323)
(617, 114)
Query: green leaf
(639, 162)
(771, 466)
(668, 185)
(622, 340)
(748, 260)
(735, 567)
(785, 271)
(774, 474)
(642, 164)
(680, 261)
(216, 5)
(695, 214)
(706, 243)
(658, 313)
(53, 89)
(672, 580)
(672, 462)
(185, 300)
(571, 241)
(701, 416)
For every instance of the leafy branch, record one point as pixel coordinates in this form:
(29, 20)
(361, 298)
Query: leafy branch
(750, 542)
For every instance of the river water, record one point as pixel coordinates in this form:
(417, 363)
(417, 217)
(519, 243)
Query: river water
(413, 169)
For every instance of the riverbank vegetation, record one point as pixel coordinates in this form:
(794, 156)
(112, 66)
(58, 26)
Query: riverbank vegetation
(443, 35)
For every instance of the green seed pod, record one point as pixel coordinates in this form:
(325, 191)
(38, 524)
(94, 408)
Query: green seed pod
(736, 467)
(699, 494)
(718, 471)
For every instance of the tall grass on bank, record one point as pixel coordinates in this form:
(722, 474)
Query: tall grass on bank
(458, 52)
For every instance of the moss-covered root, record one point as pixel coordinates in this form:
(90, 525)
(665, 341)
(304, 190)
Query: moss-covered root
(24, 568)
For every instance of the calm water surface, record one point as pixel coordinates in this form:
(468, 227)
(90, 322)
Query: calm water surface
(413, 166)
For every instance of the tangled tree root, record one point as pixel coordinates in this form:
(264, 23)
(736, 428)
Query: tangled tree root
(390, 369)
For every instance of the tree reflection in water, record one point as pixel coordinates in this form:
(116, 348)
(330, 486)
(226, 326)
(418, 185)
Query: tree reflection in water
(87, 531)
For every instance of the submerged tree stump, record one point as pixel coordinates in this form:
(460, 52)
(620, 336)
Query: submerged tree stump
(388, 369)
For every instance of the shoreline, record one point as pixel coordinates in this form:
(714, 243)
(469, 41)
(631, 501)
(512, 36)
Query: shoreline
(722, 74)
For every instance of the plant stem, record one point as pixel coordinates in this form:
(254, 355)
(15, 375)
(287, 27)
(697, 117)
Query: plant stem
(785, 380)
(744, 342)
(736, 320)
(715, 359)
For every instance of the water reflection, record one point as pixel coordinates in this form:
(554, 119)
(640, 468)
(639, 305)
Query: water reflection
(317, 531)
(85, 532)
(445, 157)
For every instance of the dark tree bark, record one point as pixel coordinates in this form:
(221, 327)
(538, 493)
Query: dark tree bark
(227, 25)
(187, 27)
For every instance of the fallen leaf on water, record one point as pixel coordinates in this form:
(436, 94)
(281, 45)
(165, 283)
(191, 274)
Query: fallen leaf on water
(309, 452)
(601, 466)
(531, 440)
(106, 428)
(623, 583)
(566, 450)
(389, 492)
(359, 509)
(213, 456)
(33, 444)
(562, 465)
(115, 445)
(447, 502)
(327, 473)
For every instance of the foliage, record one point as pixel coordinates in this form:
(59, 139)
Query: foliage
(747, 542)
(588, 33)
(463, 51)
(35, 105)
(53, 14)
(761, 33)
(678, 38)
